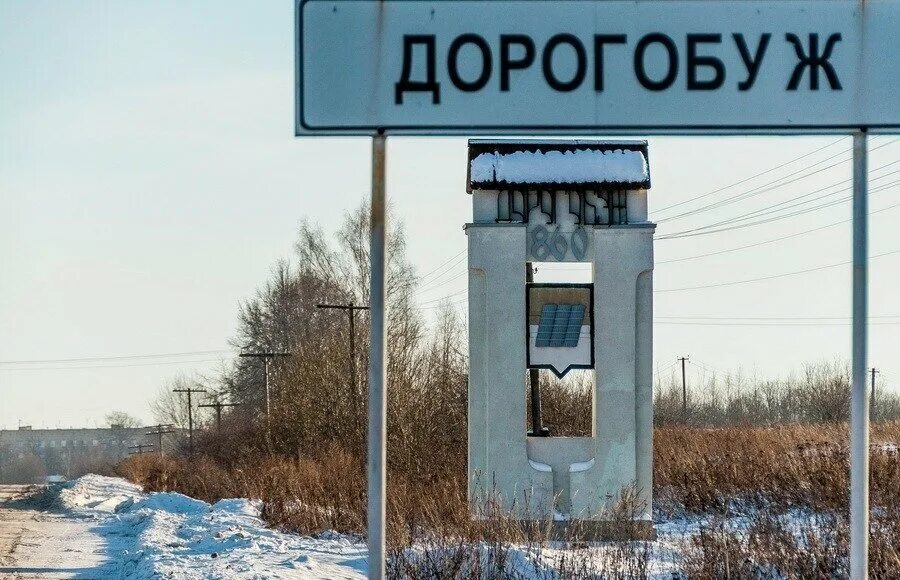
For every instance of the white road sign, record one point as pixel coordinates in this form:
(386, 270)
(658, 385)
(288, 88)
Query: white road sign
(614, 66)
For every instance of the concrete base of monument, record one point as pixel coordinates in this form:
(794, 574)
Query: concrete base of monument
(592, 530)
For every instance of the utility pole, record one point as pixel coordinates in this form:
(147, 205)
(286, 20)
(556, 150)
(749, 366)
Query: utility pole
(534, 380)
(139, 448)
(874, 371)
(683, 360)
(351, 312)
(159, 431)
(218, 405)
(265, 357)
(190, 391)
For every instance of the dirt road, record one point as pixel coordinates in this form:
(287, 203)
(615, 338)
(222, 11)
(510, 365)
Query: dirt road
(35, 542)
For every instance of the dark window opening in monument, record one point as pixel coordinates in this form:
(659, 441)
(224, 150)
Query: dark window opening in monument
(566, 404)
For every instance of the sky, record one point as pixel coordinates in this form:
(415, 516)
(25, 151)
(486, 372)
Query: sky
(150, 179)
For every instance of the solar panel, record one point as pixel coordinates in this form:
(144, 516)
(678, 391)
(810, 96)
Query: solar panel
(560, 325)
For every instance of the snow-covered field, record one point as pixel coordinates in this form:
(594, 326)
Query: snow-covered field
(169, 535)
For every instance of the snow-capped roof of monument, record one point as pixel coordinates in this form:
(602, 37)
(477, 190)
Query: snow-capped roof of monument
(578, 163)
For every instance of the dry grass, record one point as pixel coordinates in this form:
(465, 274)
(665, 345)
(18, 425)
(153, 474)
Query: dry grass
(790, 487)
(757, 473)
(773, 545)
(706, 470)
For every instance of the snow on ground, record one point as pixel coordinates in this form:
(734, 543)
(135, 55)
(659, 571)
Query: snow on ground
(170, 535)
(93, 495)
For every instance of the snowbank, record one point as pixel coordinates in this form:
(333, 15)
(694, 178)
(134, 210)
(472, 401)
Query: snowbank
(169, 535)
(93, 495)
(171, 502)
(174, 536)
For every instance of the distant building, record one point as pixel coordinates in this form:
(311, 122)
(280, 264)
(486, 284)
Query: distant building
(67, 452)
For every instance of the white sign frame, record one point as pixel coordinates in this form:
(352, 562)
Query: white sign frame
(347, 83)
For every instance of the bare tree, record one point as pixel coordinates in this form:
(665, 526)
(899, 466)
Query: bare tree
(313, 396)
(171, 408)
(121, 419)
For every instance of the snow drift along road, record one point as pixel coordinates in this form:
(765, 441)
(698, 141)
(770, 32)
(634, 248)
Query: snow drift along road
(173, 536)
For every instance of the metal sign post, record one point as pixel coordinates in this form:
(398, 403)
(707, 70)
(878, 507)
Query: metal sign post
(377, 366)
(859, 410)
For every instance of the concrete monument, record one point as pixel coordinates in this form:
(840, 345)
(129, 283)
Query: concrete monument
(560, 201)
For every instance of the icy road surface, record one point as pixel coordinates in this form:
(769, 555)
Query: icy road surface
(35, 543)
(106, 528)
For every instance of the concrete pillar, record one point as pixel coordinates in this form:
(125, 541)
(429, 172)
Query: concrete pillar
(499, 468)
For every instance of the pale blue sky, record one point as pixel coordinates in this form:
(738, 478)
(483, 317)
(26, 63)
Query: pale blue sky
(149, 179)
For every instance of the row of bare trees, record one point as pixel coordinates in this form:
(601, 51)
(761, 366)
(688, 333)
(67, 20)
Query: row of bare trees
(819, 393)
(316, 402)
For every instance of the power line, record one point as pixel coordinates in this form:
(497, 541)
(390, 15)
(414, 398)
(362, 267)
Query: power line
(805, 155)
(760, 189)
(118, 357)
(703, 366)
(773, 321)
(743, 217)
(743, 247)
(769, 219)
(771, 277)
(794, 201)
(441, 305)
(553, 267)
(765, 324)
(729, 283)
(775, 209)
(430, 287)
(441, 265)
(436, 282)
(771, 240)
(750, 215)
(664, 369)
(879, 168)
(456, 258)
(703, 230)
(703, 317)
(82, 367)
(772, 184)
(441, 299)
